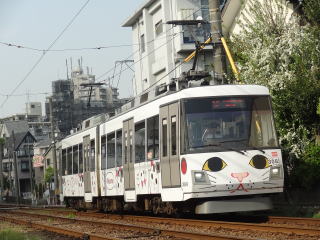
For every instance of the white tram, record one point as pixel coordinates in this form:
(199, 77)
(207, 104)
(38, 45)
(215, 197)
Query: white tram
(206, 149)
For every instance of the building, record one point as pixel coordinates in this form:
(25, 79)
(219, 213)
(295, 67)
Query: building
(21, 144)
(62, 105)
(32, 118)
(234, 12)
(74, 100)
(34, 109)
(159, 49)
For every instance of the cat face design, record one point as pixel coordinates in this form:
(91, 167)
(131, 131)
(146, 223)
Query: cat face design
(237, 174)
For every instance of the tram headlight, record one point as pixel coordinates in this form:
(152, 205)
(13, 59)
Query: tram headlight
(200, 178)
(275, 172)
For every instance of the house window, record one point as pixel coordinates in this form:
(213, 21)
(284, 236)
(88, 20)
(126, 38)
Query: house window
(24, 166)
(158, 28)
(143, 43)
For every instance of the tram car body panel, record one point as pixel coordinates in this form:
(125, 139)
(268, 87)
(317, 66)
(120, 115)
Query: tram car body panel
(79, 158)
(213, 145)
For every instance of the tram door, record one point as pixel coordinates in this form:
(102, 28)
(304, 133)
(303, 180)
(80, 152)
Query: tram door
(128, 154)
(86, 159)
(169, 132)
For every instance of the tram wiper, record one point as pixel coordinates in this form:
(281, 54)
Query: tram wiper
(233, 149)
(219, 145)
(255, 148)
(234, 140)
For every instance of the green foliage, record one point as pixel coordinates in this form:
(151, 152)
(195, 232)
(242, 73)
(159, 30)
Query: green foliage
(275, 50)
(311, 9)
(9, 234)
(306, 172)
(316, 215)
(71, 216)
(48, 175)
(2, 141)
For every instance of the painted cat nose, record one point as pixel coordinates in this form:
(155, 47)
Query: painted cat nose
(240, 176)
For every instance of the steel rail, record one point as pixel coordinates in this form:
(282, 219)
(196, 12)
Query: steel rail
(57, 230)
(150, 230)
(312, 221)
(221, 224)
(232, 225)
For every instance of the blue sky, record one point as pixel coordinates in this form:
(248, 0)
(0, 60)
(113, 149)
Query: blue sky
(36, 23)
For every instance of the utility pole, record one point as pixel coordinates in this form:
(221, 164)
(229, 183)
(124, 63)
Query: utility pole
(219, 60)
(16, 177)
(54, 156)
(1, 169)
(30, 169)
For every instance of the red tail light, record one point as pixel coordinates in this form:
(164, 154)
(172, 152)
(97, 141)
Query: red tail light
(183, 166)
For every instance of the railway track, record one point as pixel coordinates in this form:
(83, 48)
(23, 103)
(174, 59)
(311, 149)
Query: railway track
(293, 228)
(98, 230)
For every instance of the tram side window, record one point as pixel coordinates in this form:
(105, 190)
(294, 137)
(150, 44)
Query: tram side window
(69, 161)
(64, 162)
(153, 138)
(80, 159)
(92, 156)
(130, 146)
(173, 135)
(103, 153)
(125, 147)
(164, 137)
(119, 148)
(111, 150)
(75, 159)
(139, 139)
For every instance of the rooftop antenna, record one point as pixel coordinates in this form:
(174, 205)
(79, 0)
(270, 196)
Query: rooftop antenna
(71, 65)
(67, 69)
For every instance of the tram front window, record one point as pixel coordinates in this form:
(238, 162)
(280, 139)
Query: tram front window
(216, 124)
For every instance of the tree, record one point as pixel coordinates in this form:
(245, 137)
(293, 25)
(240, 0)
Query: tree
(275, 50)
(48, 175)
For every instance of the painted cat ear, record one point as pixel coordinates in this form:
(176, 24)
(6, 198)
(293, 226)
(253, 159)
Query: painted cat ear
(214, 164)
(259, 162)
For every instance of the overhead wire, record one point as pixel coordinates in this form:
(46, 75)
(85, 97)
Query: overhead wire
(174, 35)
(45, 52)
(178, 65)
(128, 57)
(24, 94)
(68, 49)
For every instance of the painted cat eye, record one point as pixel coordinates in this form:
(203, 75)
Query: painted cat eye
(259, 162)
(214, 164)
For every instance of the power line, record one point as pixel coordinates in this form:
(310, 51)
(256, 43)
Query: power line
(70, 49)
(129, 67)
(45, 52)
(127, 58)
(24, 94)
(66, 49)
(174, 35)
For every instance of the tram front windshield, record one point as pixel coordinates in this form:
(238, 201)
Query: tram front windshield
(224, 123)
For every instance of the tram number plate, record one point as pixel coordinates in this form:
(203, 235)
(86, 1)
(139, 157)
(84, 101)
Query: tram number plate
(274, 161)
